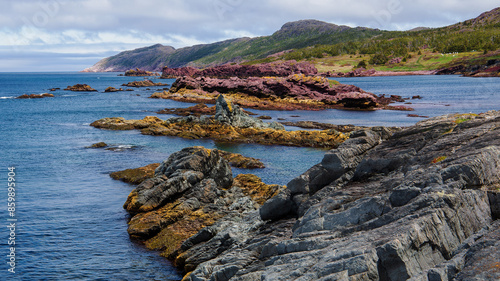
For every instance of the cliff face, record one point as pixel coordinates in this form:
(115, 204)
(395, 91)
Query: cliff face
(418, 203)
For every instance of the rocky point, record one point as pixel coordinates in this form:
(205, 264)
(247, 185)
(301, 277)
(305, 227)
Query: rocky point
(420, 203)
(230, 125)
(191, 197)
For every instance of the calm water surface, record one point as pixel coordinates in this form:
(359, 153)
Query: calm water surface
(71, 225)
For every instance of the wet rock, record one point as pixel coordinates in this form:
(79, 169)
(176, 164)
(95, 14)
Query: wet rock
(80, 88)
(136, 176)
(119, 123)
(239, 161)
(35, 96)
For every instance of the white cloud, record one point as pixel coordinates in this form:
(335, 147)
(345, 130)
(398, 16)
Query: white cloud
(86, 26)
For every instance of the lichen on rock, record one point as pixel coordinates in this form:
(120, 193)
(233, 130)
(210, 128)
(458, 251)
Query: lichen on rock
(191, 198)
(377, 208)
(230, 125)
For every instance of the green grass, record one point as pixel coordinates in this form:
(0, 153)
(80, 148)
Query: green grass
(427, 61)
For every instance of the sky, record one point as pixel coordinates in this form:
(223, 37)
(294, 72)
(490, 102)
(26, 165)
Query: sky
(70, 35)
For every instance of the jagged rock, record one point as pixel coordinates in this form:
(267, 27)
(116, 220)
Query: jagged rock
(230, 114)
(180, 172)
(80, 88)
(136, 176)
(191, 211)
(385, 205)
(336, 164)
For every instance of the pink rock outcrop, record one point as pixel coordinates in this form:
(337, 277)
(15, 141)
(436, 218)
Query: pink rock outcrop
(281, 69)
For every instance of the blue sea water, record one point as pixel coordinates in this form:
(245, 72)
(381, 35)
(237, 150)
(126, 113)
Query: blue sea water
(70, 221)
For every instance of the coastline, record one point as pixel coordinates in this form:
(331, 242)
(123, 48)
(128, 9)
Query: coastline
(376, 203)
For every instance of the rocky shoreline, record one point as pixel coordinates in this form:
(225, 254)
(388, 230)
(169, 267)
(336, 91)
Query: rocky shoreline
(229, 125)
(419, 203)
(294, 92)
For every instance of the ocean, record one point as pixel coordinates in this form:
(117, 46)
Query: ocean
(68, 217)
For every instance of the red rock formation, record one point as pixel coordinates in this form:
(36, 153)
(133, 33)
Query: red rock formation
(280, 69)
(282, 93)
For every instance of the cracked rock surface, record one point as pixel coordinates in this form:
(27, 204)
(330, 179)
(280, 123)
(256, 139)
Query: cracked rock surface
(419, 203)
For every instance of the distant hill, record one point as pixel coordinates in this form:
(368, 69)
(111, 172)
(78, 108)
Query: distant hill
(148, 58)
(307, 39)
(292, 35)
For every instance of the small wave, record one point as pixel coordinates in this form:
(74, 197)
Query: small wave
(4, 98)
(68, 95)
(126, 146)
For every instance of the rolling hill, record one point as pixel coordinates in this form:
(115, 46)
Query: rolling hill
(312, 39)
(292, 35)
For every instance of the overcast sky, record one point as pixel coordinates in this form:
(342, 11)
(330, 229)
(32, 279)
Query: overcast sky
(70, 35)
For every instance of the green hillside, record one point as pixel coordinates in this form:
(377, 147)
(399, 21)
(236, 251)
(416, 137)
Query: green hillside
(328, 45)
(292, 35)
(420, 50)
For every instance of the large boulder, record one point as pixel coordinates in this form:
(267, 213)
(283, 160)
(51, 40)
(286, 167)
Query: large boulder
(229, 114)
(181, 171)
